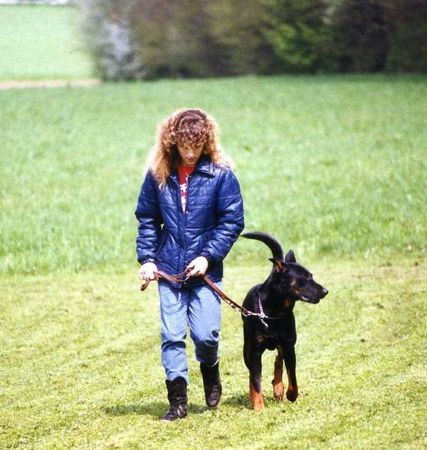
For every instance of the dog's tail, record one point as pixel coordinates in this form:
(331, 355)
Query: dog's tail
(272, 243)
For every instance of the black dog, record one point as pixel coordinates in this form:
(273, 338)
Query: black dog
(274, 327)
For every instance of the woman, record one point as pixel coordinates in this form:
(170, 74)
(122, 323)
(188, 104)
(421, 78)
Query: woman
(190, 212)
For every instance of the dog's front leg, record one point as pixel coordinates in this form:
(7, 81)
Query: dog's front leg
(255, 389)
(278, 375)
(290, 362)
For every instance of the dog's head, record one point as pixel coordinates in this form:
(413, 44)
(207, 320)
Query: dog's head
(294, 281)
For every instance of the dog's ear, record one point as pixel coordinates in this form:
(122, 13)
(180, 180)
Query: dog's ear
(290, 257)
(278, 263)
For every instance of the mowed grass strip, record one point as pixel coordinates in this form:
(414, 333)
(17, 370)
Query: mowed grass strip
(42, 42)
(330, 165)
(81, 365)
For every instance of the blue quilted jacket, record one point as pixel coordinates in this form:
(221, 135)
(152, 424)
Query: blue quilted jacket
(172, 238)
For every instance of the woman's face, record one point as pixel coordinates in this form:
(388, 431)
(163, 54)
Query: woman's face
(189, 155)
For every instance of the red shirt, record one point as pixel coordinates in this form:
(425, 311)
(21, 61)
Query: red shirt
(183, 174)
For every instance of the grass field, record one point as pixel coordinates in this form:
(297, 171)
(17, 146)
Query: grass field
(334, 166)
(41, 42)
(81, 366)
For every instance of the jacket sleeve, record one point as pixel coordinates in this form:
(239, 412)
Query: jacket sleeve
(150, 221)
(230, 220)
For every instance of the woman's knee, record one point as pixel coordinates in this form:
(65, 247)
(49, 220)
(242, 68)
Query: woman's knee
(173, 339)
(207, 351)
(206, 345)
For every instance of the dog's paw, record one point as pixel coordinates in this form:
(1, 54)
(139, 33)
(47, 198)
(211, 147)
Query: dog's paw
(258, 404)
(278, 391)
(292, 395)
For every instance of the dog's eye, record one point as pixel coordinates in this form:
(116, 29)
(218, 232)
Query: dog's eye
(301, 282)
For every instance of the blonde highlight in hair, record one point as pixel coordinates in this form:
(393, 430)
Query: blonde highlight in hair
(186, 127)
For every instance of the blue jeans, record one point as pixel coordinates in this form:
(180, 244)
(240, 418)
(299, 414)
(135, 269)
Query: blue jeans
(200, 309)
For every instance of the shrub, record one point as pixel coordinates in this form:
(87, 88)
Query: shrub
(361, 36)
(408, 30)
(132, 39)
(299, 33)
(110, 38)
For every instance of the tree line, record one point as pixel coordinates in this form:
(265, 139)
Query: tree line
(136, 39)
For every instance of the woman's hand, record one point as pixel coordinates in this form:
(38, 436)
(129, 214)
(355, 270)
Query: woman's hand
(197, 267)
(148, 271)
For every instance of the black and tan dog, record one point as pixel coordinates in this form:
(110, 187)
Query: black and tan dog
(274, 300)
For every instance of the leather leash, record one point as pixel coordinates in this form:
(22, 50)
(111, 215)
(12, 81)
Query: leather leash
(181, 277)
(184, 277)
(227, 299)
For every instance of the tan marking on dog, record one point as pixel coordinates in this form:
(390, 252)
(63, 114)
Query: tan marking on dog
(256, 398)
(278, 264)
(287, 303)
(261, 338)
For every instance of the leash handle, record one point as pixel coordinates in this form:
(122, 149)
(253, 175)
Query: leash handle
(160, 274)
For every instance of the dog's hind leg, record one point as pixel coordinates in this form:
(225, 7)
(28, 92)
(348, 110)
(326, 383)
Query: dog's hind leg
(278, 375)
(290, 362)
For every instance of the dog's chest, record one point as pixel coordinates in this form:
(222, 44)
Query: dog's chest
(272, 336)
(269, 341)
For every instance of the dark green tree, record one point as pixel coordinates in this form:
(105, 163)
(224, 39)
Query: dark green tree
(133, 39)
(361, 36)
(299, 33)
(237, 32)
(407, 20)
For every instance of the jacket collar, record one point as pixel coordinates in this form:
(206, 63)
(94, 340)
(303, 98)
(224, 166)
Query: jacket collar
(205, 165)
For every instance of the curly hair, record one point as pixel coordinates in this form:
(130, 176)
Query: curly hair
(185, 127)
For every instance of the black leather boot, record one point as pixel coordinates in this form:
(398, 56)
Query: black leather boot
(177, 396)
(211, 383)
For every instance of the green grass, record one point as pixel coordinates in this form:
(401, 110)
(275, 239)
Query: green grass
(334, 166)
(42, 42)
(81, 366)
